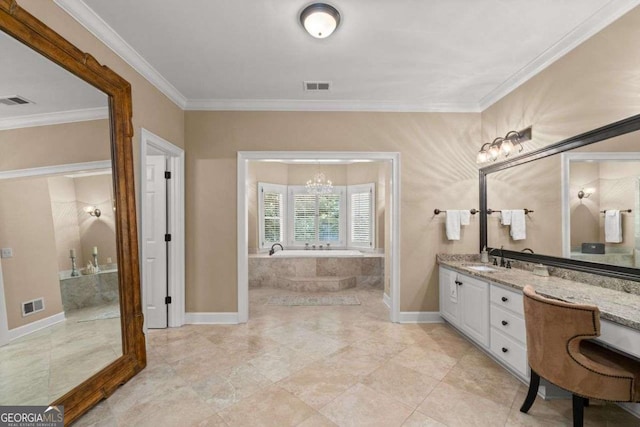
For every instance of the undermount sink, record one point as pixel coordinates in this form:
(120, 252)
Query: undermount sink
(480, 268)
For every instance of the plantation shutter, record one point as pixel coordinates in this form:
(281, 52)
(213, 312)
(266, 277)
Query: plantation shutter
(361, 215)
(329, 217)
(304, 218)
(272, 213)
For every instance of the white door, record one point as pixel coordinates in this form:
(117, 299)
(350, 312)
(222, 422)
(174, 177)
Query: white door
(155, 258)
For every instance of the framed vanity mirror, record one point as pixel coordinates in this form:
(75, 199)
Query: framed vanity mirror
(70, 311)
(568, 190)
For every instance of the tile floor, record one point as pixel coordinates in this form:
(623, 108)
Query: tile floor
(42, 366)
(326, 366)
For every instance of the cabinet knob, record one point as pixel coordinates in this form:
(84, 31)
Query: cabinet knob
(458, 282)
(505, 349)
(505, 299)
(505, 323)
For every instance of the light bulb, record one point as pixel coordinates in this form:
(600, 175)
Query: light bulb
(506, 147)
(494, 152)
(482, 157)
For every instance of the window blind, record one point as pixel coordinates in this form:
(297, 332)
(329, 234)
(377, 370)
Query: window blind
(304, 217)
(329, 217)
(273, 214)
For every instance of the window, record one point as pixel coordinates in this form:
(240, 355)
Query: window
(271, 207)
(317, 219)
(292, 216)
(361, 215)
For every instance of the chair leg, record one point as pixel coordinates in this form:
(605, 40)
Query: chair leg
(578, 410)
(534, 383)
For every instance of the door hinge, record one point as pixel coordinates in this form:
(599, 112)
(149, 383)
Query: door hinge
(167, 175)
(167, 237)
(167, 300)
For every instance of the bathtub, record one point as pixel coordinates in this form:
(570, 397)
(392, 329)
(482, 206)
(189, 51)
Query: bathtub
(323, 253)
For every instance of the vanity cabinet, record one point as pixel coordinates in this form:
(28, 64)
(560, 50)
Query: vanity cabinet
(508, 335)
(464, 302)
(489, 314)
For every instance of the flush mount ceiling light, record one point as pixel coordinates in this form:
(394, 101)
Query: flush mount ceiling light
(505, 146)
(320, 19)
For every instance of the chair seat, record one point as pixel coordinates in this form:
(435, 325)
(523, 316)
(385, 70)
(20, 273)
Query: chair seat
(620, 364)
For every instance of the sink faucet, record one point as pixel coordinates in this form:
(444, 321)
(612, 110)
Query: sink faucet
(527, 250)
(273, 251)
(502, 262)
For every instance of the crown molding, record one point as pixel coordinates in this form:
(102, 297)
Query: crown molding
(107, 35)
(57, 118)
(326, 105)
(595, 23)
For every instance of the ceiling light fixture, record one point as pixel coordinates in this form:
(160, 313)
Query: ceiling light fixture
(319, 184)
(320, 19)
(505, 146)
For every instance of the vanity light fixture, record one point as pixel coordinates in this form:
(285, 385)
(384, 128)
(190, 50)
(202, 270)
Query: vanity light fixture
(320, 19)
(504, 146)
(93, 211)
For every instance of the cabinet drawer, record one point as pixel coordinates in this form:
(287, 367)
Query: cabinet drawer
(508, 323)
(511, 300)
(509, 351)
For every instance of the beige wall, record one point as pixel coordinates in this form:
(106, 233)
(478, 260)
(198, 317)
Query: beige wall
(54, 145)
(435, 174)
(585, 222)
(589, 87)
(26, 226)
(64, 210)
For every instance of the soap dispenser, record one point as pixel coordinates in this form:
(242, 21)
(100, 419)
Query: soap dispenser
(484, 255)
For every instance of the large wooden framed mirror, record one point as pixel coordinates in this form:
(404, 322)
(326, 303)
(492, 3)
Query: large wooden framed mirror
(70, 309)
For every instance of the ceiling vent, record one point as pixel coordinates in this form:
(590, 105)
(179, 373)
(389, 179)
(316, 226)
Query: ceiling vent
(317, 86)
(14, 100)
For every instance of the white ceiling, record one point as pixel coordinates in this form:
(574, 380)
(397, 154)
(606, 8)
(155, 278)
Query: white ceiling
(56, 93)
(401, 55)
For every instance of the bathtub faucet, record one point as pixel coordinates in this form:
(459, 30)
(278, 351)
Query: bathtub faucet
(272, 250)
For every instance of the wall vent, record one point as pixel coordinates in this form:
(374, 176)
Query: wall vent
(317, 86)
(33, 306)
(14, 100)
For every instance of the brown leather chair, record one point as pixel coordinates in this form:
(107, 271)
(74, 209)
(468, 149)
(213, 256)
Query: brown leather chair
(559, 350)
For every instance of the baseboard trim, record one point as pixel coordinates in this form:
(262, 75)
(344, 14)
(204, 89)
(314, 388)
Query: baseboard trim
(420, 317)
(32, 327)
(211, 319)
(632, 408)
(386, 299)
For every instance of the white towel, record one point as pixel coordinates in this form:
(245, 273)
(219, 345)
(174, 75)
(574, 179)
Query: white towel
(518, 225)
(612, 226)
(505, 217)
(453, 291)
(465, 217)
(453, 225)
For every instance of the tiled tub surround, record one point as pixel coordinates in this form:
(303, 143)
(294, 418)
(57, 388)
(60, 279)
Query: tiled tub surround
(618, 300)
(89, 290)
(297, 273)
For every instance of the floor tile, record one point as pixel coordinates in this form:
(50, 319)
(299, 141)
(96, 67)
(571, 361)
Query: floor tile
(404, 384)
(362, 406)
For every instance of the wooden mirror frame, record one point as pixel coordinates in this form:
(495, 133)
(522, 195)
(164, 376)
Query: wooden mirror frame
(630, 124)
(34, 34)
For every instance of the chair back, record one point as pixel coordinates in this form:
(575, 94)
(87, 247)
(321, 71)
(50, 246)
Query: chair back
(554, 331)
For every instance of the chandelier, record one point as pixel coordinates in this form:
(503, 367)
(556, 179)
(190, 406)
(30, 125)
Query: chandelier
(319, 184)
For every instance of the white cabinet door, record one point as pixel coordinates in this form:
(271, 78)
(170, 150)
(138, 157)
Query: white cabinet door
(449, 296)
(474, 310)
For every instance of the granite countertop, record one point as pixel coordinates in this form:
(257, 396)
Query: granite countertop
(616, 306)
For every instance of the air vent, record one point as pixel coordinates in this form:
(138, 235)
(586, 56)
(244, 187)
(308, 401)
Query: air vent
(33, 306)
(317, 86)
(14, 100)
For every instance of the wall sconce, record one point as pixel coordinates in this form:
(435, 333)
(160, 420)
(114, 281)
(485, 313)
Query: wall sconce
(585, 193)
(505, 146)
(93, 211)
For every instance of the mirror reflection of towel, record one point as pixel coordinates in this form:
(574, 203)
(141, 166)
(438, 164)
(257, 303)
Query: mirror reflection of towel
(465, 217)
(505, 217)
(612, 226)
(518, 225)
